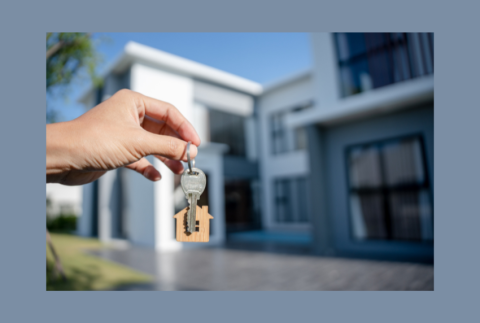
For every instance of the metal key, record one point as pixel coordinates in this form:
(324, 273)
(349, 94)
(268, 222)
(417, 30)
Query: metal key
(193, 183)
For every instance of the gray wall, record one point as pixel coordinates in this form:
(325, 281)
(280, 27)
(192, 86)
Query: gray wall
(328, 148)
(85, 223)
(139, 208)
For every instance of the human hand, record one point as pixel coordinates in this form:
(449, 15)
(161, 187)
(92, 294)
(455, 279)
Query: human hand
(120, 131)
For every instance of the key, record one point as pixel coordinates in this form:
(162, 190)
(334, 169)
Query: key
(193, 184)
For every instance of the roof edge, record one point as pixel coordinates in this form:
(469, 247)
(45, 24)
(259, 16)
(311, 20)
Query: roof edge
(192, 68)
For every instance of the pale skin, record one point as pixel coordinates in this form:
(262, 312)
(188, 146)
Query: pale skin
(121, 131)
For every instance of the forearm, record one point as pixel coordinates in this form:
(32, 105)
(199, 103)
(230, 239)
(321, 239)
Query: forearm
(59, 151)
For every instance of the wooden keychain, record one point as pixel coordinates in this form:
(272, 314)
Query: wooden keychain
(193, 222)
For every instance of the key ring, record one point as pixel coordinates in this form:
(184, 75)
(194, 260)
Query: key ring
(188, 159)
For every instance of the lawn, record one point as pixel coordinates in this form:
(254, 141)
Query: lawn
(86, 272)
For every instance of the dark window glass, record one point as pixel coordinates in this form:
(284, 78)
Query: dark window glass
(372, 60)
(291, 197)
(227, 128)
(242, 210)
(389, 191)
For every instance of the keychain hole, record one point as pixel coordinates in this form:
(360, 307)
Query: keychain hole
(192, 172)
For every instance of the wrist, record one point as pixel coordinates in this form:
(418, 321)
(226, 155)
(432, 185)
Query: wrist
(59, 151)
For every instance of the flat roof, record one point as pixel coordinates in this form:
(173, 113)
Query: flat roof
(137, 52)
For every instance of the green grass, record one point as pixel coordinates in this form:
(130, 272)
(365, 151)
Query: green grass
(85, 272)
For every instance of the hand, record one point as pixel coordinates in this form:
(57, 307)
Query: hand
(120, 131)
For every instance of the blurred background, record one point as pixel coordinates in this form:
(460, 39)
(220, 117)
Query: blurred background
(318, 149)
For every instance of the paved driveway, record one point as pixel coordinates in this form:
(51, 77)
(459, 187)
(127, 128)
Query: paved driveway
(236, 269)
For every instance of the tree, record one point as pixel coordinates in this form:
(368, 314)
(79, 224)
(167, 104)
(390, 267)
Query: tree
(69, 56)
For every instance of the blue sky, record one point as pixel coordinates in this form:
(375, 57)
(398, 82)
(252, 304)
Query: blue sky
(260, 57)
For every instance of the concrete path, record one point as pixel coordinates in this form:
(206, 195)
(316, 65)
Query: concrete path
(236, 269)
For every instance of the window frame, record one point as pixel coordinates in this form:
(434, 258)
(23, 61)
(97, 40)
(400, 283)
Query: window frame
(388, 48)
(385, 189)
(278, 131)
(289, 201)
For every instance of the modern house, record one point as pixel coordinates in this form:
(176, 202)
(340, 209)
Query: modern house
(342, 151)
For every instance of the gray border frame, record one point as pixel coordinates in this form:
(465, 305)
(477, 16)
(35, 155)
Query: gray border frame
(456, 158)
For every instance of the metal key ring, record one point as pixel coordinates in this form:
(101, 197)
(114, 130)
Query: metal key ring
(188, 158)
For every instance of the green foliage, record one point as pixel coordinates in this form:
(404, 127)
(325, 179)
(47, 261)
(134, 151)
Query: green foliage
(70, 56)
(62, 223)
(74, 52)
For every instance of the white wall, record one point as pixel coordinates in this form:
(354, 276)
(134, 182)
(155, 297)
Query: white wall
(293, 163)
(223, 99)
(68, 196)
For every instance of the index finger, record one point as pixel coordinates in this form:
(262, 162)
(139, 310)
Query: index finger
(167, 112)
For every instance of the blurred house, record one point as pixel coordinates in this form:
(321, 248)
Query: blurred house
(342, 152)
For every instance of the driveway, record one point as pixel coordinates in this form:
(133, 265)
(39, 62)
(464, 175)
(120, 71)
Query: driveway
(257, 269)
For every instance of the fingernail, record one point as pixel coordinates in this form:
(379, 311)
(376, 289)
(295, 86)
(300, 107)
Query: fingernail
(193, 150)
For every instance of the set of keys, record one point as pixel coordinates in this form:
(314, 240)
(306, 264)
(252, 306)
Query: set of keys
(193, 182)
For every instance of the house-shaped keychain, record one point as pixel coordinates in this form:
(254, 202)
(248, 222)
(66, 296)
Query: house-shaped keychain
(202, 225)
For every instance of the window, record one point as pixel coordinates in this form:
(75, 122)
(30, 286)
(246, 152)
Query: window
(389, 191)
(291, 200)
(227, 128)
(278, 133)
(372, 60)
(285, 139)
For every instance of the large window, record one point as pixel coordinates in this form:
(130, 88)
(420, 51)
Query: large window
(372, 60)
(291, 200)
(389, 191)
(283, 138)
(227, 128)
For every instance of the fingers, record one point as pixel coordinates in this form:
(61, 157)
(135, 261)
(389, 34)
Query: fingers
(166, 112)
(166, 146)
(144, 167)
(159, 127)
(175, 166)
